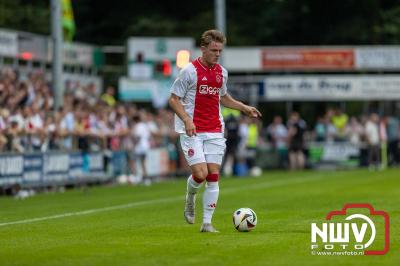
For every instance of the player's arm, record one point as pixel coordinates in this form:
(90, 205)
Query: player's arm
(176, 105)
(229, 102)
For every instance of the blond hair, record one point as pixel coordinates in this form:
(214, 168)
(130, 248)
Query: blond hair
(212, 35)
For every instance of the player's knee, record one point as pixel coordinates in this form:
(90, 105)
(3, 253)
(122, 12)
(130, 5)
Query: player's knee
(201, 174)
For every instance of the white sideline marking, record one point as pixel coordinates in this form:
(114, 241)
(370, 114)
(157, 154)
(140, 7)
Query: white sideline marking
(90, 211)
(140, 203)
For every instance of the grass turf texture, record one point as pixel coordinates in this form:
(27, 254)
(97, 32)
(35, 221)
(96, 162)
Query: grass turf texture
(152, 230)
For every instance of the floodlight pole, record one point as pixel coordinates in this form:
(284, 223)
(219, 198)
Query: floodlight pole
(220, 15)
(220, 19)
(57, 41)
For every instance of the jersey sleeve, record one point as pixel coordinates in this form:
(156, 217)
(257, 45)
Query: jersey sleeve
(181, 83)
(224, 88)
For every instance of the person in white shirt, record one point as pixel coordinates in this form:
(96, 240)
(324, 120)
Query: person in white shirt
(195, 98)
(372, 137)
(142, 139)
(279, 137)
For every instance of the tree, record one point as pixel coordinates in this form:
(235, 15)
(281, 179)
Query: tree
(262, 22)
(25, 15)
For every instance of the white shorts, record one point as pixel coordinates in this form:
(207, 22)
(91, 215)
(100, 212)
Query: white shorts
(203, 148)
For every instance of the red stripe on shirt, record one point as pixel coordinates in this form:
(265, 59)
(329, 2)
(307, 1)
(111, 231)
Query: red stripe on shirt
(206, 115)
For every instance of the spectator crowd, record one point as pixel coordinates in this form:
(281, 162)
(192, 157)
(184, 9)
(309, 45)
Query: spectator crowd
(93, 121)
(87, 121)
(376, 136)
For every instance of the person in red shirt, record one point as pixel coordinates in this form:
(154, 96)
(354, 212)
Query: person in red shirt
(195, 98)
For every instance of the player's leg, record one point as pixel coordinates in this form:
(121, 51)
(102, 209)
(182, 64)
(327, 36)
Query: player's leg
(194, 182)
(214, 152)
(132, 166)
(301, 159)
(194, 155)
(210, 196)
(292, 160)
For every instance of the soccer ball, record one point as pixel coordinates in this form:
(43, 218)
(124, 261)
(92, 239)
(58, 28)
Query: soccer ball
(244, 219)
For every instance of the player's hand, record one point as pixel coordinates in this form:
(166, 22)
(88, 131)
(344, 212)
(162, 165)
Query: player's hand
(190, 127)
(251, 111)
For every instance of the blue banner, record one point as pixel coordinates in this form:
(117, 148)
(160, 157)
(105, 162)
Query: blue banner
(39, 169)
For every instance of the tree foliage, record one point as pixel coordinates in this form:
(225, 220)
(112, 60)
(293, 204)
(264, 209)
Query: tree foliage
(24, 15)
(261, 22)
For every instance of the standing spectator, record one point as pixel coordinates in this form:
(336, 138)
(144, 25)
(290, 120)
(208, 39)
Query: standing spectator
(339, 120)
(320, 129)
(372, 137)
(279, 137)
(383, 141)
(232, 142)
(297, 127)
(354, 131)
(142, 137)
(241, 167)
(393, 133)
(251, 145)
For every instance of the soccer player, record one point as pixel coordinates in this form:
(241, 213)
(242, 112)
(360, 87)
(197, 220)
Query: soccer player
(195, 98)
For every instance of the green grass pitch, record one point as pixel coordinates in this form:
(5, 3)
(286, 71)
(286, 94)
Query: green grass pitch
(137, 225)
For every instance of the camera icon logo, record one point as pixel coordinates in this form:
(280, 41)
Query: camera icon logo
(352, 231)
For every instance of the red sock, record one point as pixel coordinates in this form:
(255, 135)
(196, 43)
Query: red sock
(198, 180)
(212, 178)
